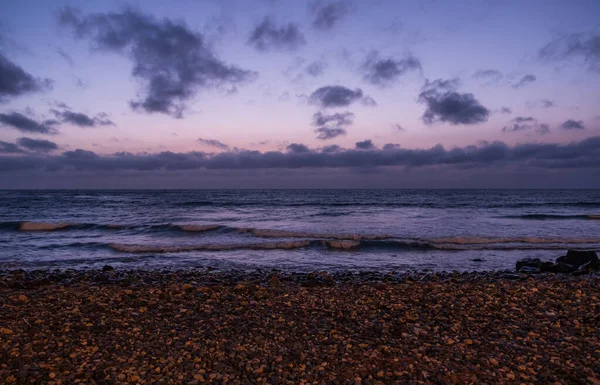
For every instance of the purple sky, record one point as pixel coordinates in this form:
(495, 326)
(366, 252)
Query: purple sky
(275, 93)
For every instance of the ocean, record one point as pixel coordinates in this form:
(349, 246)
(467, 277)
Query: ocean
(294, 230)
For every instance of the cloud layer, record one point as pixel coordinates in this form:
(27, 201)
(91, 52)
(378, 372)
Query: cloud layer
(574, 155)
(20, 122)
(172, 61)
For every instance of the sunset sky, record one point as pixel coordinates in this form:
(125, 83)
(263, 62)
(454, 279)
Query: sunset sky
(277, 93)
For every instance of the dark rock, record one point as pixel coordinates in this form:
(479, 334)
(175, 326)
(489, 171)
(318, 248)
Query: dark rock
(561, 267)
(477, 260)
(107, 268)
(547, 266)
(529, 262)
(511, 276)
(310, 283)
(530, 270)
(578, 258)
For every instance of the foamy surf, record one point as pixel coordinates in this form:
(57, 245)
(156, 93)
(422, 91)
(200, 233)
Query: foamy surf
(209, 247)
(42, 226)
(527, 240)
(274, 233)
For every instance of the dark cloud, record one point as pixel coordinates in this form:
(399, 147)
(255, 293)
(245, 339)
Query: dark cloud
(331, 148)
(489, 76)
(547, 103)
(332, 125)
(575, 46)
(327, 132)
(522, 123)
(296, 148)
(572, 125)
(444, 104)
(573, 155)
(15, 81)
(9, 148)
(81, 119)
(315, 68)
(327, 14)
(268, 36)
(383, 71)
(213, 143)
(172, 61)
(22, 123)
(366, 144)
(506, 110)
(40, 145)
(398, 128)
(338, 96)
(525, 80)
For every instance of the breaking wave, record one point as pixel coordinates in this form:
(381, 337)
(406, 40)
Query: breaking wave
(208, 247)
(43, 226)
(542, 217)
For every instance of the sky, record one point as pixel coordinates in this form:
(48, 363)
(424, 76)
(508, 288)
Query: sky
(300, 94)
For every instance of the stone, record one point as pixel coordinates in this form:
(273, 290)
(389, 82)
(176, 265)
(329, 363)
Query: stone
(561, 267)
(530, 270)
(578, 258)
(107, 268)
(529, 262)
(274, 282)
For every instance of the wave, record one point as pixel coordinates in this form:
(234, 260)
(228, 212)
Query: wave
(43, 226)
(461, 240)
(208, 247)
(273, 233)
(542, 217)
(197, 228)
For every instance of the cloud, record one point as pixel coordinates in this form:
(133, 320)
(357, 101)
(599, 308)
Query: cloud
(213, 143)
(9, 148)
(572, 125)
(331, 148)
(172, 61)
(296, 148)
(489, 76)
(575, 155)
(337, 119)
(81, 119)
(525, 80)
(383, 71)
(506, 110)
(40, 145)
(521, 123)
(327, 14)
(338, 96)
(15, 81)
(366, 144)
(581, 46)
(444, 104)
(22, 123)
(65, 56)
(268, 36)
(315, 68)
(542, 103)
(327, 132)
(398, 128)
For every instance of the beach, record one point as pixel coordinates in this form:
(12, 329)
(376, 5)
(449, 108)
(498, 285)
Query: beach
(271, 327)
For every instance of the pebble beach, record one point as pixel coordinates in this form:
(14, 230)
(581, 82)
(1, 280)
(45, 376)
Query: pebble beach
(200, 326)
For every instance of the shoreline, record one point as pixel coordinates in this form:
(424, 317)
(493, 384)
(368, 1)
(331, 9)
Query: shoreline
(269, 327)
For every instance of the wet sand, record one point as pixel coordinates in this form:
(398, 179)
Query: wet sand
(234, 328)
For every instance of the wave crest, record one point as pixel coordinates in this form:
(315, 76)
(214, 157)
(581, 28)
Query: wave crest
(42, 226)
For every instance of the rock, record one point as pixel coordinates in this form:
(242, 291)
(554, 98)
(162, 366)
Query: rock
(530, 270)
(561, 267)
(510, 276)
(529, 262)
(547, 266)
(477, 260)
(310, 283)
(578, 258)
(274, 282)
(107, 268)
